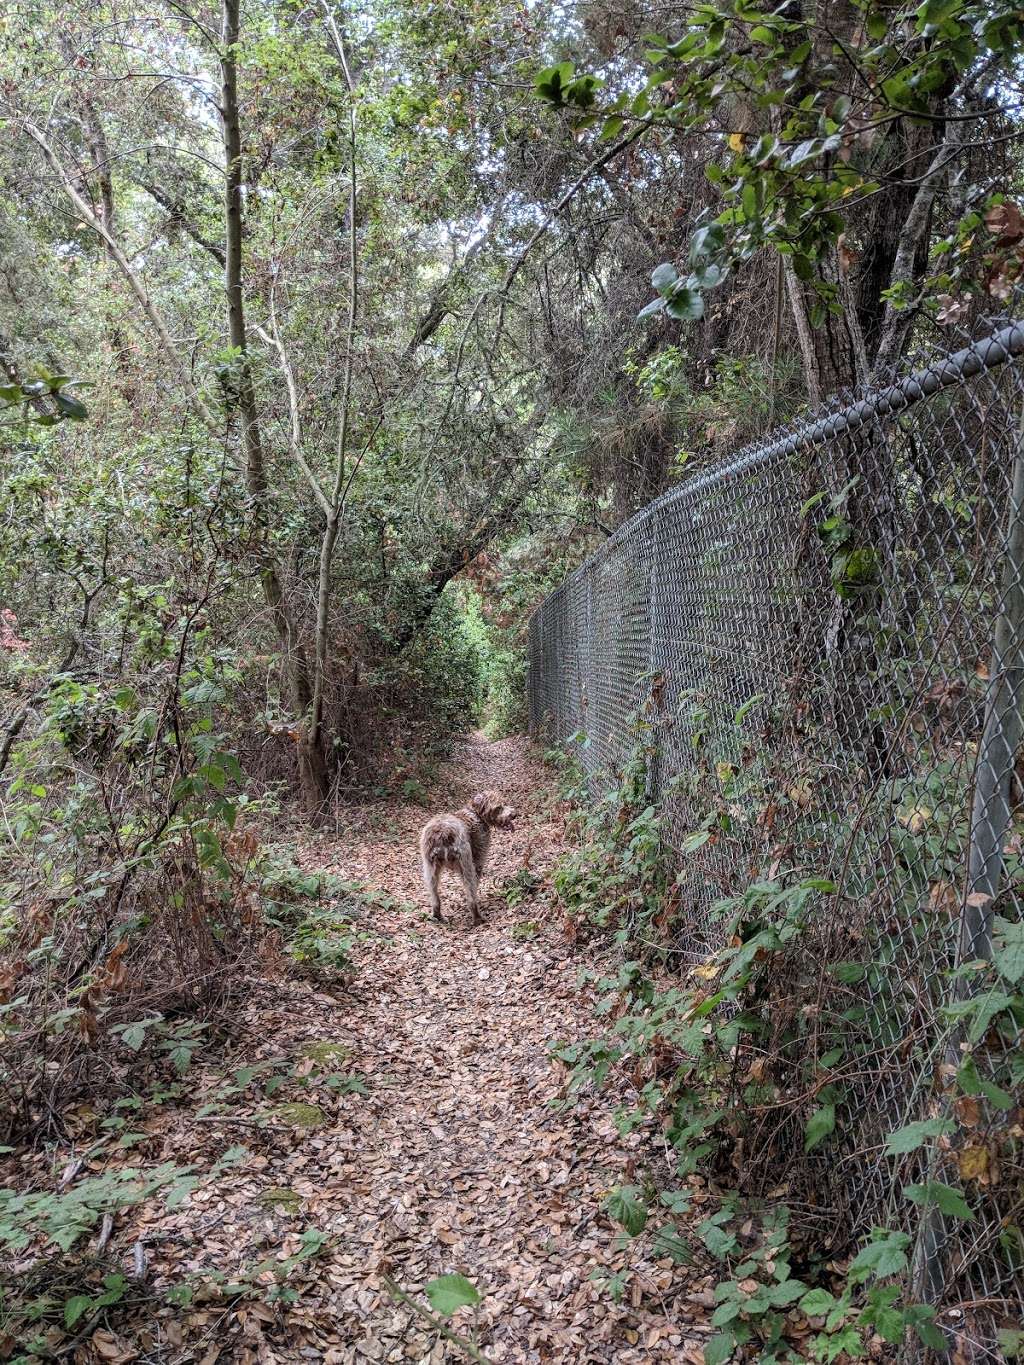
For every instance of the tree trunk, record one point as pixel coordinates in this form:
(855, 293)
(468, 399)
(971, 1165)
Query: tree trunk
(313, 773)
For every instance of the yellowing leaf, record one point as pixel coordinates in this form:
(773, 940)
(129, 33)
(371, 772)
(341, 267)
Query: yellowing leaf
(736, 142)
(973, 1164)
(707, 971)
(915, 820)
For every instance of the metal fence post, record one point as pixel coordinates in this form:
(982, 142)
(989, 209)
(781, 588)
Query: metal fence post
(654, 618)
(1001, 737)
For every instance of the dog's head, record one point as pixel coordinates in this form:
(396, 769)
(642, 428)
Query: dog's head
(492, 810)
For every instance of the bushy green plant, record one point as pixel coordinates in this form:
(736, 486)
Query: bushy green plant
(320, 916)
(756, 1054)
(616, 875)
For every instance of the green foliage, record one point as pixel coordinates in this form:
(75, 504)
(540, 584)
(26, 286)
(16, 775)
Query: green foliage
(793, 183)
(43, 401)
(520, 887)
(626, 1206)
(62, 1218)
(321, 917)
(448, 1293)
(615, 874)
(708, 1057)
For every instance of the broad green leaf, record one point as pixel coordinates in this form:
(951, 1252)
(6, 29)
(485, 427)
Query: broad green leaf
(821, 1123)
(448, 1293)
(886, 1255)
(915, 1135)
(971, 1082)
(782, 1295)
(817, 1302)
(76, 1308)
(717, 1240)
(667, 1242)
(719, 1349)
(944, 1197)
(663, 276)
(685, 305)
(1008, 947)
(625, 1207)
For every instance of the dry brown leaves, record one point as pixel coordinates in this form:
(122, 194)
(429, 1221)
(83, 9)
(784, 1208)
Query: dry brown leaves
(455, 1160)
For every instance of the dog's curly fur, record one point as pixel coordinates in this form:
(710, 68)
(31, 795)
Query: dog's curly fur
(459, 843)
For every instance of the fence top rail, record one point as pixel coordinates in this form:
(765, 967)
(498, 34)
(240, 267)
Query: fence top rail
(987, 353)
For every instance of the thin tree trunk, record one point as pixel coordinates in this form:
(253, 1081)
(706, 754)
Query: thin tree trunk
(99, 154)
(313, 776)
(331, 530)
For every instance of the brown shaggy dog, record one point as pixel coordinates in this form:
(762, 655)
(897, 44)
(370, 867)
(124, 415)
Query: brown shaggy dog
(459, 843)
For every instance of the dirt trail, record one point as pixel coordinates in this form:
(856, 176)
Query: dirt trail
(455, 1159)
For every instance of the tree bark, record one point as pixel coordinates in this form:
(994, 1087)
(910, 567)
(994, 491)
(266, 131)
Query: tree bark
(313, 774)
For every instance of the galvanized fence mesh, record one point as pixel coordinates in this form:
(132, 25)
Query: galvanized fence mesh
(827, 633)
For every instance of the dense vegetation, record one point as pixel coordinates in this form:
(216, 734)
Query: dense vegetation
(332, 336)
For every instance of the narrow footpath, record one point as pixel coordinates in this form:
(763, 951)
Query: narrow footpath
(458, 1158)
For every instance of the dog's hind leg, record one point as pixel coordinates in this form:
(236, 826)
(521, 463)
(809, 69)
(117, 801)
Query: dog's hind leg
(431, 880)
(467, 867)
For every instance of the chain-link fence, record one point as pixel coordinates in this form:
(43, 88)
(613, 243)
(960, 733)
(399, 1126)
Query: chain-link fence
(827, 635)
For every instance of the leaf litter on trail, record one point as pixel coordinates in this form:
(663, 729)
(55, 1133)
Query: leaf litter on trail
(452, 1163)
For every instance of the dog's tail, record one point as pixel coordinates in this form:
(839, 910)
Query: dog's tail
(444, 840)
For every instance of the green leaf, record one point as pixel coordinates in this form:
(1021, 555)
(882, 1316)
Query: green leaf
(931, 1335)
(821, 1123)
(848, 1340)
(782, 1295)
(551, 84)
(849, 973)
(944, 1197)
(1011, 1342)
(748, 706)
(1008, 948)
(625, 1207)
(664, 276)
(719, 1349)
(717, 1240)
(71, 407)
(667, 1242)
(933, 12)
(706, 241)
(915, 1135)
(76, 1308)
(886, 1255)
(448, 1293)
(694, 841)
(134, 1035)
(817, 1302)
(685, 305)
